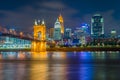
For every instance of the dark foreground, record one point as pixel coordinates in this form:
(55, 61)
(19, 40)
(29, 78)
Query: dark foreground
(102, 65)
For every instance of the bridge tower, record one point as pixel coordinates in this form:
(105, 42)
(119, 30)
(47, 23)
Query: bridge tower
(39, 43)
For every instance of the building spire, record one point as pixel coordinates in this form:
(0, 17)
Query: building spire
(60, 18)
(43, 22)
(57, 20)
(60, 11)
(35, 23)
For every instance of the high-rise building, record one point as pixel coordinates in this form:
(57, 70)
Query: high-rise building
(113, 33)
(97, 26)
(68, 33)
(78, 32)
(85, 28)
(60, 18)
(51, 32)
(57, 30)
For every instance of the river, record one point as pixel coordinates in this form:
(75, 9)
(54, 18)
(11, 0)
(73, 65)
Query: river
(84, 65)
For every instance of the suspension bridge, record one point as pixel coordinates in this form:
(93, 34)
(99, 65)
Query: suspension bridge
(10, 39)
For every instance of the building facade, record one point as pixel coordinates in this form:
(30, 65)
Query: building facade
(113, 33)
(67, 33)
(97, 26)
(57, 30)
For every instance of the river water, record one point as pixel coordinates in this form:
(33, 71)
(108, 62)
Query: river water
(99, 65)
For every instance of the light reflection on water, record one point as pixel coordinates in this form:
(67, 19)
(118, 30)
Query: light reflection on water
(60, 65)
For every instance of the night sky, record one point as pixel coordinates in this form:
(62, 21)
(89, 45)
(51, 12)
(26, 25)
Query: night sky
(20, 14)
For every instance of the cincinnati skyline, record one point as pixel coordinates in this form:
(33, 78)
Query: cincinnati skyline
(21, 14)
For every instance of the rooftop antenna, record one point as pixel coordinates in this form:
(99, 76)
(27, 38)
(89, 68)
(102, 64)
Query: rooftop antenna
(60, 11)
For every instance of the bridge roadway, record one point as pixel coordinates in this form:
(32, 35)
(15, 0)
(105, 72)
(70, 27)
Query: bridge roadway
(20, 37)
(16, 42)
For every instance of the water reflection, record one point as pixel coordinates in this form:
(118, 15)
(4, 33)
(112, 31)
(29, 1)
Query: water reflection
(15, 55)
(59, 65)
(38, 71)
(60, 55)
(13, 71)
(86, 72)
(39, 55)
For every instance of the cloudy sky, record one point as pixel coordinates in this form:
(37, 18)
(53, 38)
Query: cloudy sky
(20, 14)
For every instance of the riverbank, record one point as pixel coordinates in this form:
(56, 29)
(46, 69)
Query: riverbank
(12, 50)
(71, 49)
(85, 49)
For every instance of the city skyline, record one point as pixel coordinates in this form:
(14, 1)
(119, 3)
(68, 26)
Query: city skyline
(22, 14)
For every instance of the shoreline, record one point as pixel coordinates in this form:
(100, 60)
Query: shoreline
(70, 49)
(85, 49)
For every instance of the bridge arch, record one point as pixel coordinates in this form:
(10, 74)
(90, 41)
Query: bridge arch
(39, 35)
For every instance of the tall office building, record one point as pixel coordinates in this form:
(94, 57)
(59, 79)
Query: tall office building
(60, 18)
(68, 33)
(113, 33)
(97, 26)
(51, 32)
(57, 30)
(78, 32)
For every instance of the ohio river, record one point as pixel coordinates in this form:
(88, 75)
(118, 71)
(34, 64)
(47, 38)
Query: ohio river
(84, 65)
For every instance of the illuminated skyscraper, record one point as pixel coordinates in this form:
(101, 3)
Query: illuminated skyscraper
(60, 18)
(97, 26)
(57, 30)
